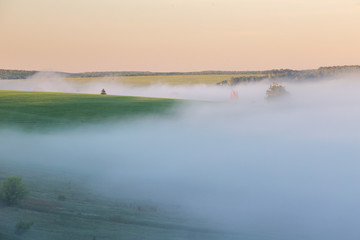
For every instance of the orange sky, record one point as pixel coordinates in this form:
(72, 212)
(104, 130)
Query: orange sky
(178, 35)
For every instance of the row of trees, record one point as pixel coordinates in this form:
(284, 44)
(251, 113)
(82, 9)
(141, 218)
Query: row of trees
(244, 76)
(22, 74)
(288, 74)
(15, 74)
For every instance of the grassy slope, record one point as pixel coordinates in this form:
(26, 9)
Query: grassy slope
(49, 109)
(83, 215)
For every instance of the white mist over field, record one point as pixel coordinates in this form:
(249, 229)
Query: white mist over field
(266, 170)
(54, 82)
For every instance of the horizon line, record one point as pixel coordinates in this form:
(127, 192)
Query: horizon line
(198, 71)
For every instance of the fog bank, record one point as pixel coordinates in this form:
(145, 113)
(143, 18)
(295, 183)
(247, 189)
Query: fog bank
(266, 170)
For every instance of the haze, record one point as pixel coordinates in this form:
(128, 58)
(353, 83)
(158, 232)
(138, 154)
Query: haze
(178, 35)
(281, 170)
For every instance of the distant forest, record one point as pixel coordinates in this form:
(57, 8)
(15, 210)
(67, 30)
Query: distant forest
(23, 74)
(294, 75)
(243, 76)
(15, 74)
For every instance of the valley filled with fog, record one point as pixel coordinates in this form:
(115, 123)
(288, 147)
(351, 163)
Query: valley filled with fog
(285, 169)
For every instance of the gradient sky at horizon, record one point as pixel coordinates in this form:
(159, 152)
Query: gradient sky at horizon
(178, 35)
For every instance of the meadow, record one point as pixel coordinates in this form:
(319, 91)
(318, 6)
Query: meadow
(62, 207)
(145, 168)
(41, 109)
(60, 203)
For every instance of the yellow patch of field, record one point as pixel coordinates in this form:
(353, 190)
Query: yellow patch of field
(166, 79)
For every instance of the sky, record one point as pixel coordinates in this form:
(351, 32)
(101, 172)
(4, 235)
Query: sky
(178, 35)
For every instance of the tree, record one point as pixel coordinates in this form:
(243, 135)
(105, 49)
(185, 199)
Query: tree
(12, 190)
(276, 90)
(21, 227)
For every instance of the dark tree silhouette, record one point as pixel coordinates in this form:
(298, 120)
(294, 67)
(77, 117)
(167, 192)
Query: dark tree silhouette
(275, 91)
(12, 191)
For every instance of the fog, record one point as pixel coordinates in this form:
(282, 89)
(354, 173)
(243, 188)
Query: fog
(266, 170)
(54, 82)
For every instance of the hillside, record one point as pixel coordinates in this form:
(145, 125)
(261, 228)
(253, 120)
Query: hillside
(40, 109)
(62, 204)
(62, 207)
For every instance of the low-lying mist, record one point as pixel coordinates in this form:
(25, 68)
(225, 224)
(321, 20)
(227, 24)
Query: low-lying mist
(285, 169)
(54, 82)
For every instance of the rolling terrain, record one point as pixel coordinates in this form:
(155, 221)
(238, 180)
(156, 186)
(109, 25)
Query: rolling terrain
(60, 203)
(62, 207)
(42, 110)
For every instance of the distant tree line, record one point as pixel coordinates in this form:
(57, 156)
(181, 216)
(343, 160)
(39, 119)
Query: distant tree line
(15, 74)
(22, 74)
(120, 74)
(244, 76)
(288, 74)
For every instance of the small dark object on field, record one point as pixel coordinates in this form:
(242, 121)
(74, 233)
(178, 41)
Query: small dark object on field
(103, 92)
(23, 226)
(276, 90)
(12, 191)
(61, 198)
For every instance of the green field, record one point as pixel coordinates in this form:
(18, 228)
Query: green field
(40, 109)
(81, 213)
(164, 79)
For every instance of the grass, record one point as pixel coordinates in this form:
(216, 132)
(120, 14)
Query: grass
(82, 213)
(34, 109)
(166, 79)
(85, 214)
